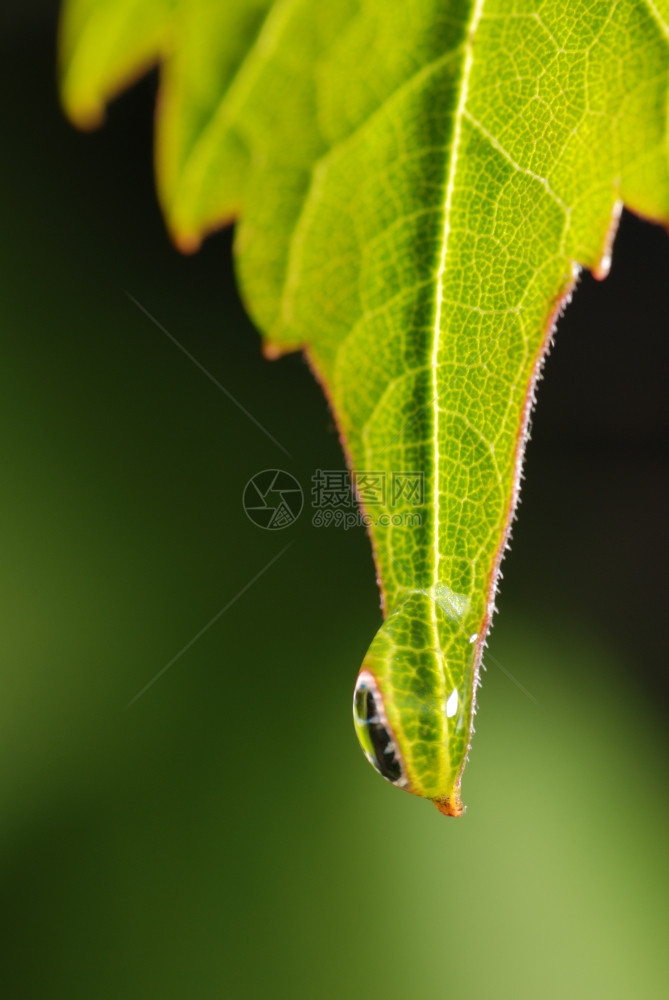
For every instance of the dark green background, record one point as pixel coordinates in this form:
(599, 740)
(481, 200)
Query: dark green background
(224, 836)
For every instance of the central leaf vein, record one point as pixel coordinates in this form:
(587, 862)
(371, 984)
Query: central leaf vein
(451, 170)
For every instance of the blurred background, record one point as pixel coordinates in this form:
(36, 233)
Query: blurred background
(223, 836)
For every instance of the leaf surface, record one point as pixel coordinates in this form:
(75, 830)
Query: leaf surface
(417, 186)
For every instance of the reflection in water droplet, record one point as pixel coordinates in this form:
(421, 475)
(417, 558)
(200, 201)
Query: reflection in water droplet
(373, 732)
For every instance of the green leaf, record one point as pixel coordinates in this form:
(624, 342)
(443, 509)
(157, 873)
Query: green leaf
(417, 186)
(210, 40)
(103, 46)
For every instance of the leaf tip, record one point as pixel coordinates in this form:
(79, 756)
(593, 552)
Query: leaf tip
(186, 242)
(188, 231)
(271, 351)
(452, 806)
(85, 114)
